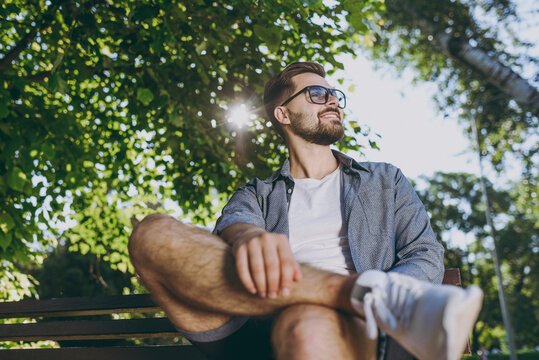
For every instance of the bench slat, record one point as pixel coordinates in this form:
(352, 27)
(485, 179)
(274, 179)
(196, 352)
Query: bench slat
(89, 329)
(78, 306)
(452, 277)
(117, 353)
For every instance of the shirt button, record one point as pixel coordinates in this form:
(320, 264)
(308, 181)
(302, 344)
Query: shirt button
(290, 191)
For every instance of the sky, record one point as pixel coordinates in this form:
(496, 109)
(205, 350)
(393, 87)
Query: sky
(414, 137)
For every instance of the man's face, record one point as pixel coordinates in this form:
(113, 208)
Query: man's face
(319, 124)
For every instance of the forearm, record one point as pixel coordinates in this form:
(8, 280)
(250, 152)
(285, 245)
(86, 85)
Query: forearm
(240, 231)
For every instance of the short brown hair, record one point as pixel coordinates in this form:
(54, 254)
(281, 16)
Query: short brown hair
(281, 86)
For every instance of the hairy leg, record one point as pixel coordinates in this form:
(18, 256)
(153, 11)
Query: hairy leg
(192, 275)
(316, 332)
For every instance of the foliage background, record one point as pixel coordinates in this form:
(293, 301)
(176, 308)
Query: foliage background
(111, 109)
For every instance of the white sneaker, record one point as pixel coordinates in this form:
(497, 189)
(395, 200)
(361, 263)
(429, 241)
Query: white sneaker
(432, 322)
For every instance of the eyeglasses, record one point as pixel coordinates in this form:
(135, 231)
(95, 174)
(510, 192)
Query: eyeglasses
(320, 95)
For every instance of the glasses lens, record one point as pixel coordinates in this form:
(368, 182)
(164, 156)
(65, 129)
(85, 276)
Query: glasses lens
(318, 94)
(340, 97)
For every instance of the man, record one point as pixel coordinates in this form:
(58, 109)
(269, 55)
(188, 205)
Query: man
(316, 258)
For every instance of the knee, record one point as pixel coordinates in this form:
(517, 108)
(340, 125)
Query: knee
(143, 233)
(303, 327)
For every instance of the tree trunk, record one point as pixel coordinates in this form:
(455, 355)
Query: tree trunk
(499, 75)
(494, 71)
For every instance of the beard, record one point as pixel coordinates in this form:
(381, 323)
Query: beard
(316, 132)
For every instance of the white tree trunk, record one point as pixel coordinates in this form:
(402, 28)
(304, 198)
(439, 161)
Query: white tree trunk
(494, 71)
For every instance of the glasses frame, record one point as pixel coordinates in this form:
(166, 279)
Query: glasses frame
(328, 91)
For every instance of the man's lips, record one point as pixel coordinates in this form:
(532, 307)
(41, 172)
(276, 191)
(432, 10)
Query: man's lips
(330, 114)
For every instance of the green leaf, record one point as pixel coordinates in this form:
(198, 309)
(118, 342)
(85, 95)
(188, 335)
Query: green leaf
(6, 223)
(356, 20)
(5, 240)
(16, 179)
(269, 35)
(353, 6)
(84, 248)
(144, 95)
(175, 119)
(48, 150)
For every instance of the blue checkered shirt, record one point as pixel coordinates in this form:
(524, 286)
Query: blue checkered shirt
(388, 226)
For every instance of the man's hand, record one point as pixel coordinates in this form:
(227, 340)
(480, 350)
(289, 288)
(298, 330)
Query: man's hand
(264, 260)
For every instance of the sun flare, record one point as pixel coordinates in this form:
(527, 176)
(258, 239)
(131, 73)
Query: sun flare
(239, 115)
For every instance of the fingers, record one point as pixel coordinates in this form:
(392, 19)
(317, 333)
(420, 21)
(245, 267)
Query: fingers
(266, 265)
(288, 267)
(257, 266)
(242, 267)
(272, 263)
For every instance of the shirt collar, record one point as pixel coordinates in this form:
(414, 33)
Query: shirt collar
(347, 163)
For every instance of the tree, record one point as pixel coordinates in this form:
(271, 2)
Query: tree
(454, 202)
(452, 28)
(66, 273)
(105, 102)
(475, 65)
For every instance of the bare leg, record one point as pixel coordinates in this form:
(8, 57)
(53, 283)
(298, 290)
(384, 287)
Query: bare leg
(191, 274)
(317, 332)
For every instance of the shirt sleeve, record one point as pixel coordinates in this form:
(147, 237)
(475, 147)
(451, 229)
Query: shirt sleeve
(418, 253)
(242, 207)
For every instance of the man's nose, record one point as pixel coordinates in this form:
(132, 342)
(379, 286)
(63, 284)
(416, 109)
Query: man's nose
(332, 100)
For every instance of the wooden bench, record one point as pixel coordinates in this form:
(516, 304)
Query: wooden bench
(76, 329)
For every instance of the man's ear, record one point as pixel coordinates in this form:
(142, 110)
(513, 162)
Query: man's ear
(281, 114)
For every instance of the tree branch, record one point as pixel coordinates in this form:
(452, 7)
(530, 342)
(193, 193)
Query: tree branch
(501, 76)
(27, 39)
(19, 48)
(40, 76)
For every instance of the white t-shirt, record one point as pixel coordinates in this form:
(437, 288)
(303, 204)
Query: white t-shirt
(317, 234)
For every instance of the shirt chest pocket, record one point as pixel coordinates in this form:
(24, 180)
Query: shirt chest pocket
(379, 210)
